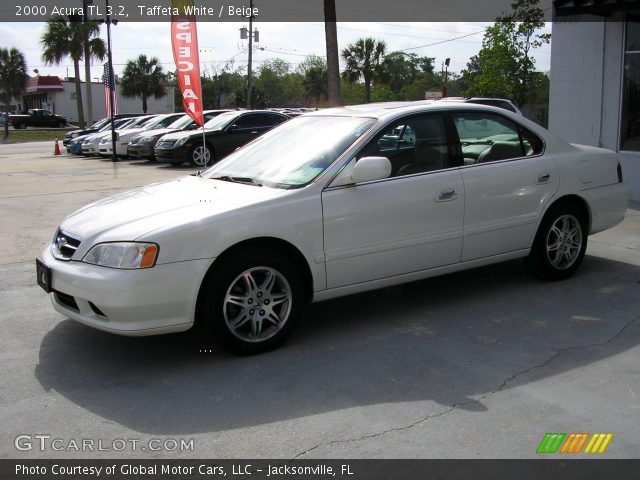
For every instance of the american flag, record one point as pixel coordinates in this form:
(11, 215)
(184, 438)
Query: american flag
(107, 96)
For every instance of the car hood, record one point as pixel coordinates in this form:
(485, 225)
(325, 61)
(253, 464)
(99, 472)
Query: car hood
(191, 199)
(175, 136)
(157, 132)
(129, 133)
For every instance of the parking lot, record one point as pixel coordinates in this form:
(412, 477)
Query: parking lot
(479, 364)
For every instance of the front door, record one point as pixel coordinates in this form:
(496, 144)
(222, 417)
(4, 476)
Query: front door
(409, 222)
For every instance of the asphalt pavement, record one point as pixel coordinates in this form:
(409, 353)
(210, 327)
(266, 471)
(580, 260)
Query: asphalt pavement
(478, 364)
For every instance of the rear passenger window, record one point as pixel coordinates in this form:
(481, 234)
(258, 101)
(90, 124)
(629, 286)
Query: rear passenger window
(416, 144)
(485, 137)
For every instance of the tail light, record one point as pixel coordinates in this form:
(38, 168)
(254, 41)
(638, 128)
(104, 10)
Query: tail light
(619, 173)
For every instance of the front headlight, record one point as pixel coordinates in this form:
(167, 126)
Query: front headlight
(181, 142)
(129, 255)
(74, 134)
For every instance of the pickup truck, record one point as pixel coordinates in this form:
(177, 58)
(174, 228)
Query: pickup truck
(37, 118)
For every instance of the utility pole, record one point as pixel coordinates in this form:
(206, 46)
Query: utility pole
(445, 77)
(251, 35)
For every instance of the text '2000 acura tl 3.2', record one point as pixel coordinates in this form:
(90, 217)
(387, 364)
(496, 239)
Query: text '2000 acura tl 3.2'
(327, 204)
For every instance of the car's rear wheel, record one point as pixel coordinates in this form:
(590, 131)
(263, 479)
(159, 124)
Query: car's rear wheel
(560, 243)
(249, 302)
(62, 124)
(200, 156)
(22, 126)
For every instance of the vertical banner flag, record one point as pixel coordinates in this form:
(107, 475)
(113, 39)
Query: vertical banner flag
(107, 96)
(184, 40)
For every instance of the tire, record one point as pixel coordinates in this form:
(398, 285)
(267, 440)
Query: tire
(23, 126)
(196, 158)
(237, 306)
(62, 125)
(560, 243)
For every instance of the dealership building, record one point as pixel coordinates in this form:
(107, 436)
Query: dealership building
(595, 79)
(59, 96)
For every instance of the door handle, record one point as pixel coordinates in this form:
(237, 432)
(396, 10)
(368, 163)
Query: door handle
(544, 178)
(446, 194)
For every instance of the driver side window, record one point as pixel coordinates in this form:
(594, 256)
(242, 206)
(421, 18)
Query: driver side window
(416, 144)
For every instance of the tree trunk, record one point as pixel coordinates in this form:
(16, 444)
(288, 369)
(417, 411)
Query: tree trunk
(87, 79)
(144, 103)
(6, 121)
(367, 89)
(76, 69)
(333, 66)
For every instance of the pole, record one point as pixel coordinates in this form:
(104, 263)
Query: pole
(249, 99)
(114, 157)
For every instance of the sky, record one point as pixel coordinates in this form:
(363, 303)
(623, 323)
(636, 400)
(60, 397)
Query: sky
(220, 43)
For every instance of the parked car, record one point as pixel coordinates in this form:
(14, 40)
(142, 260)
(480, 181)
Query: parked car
(492, 102)
(37, 118)
(3, 119)
(160, 121)
(96, 126)
(142, 144)
(91, 144)
(320, 207)
(225, 133)
(74, 145)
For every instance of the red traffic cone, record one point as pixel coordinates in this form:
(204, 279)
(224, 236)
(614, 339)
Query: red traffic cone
(56, 148)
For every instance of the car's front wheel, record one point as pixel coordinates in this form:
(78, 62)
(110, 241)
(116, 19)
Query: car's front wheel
(560, 243)
(249, 302)
(200, 156)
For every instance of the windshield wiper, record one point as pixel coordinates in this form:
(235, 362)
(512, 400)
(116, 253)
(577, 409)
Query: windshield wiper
(245, 180)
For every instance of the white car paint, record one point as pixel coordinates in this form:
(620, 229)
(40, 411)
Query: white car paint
(352, 237)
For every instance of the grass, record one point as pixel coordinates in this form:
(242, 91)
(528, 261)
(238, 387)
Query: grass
(21, 136)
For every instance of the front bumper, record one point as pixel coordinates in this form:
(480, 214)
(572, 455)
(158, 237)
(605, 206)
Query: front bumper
(142, 302)
(171, 155)
(140, 150)
(89, 149)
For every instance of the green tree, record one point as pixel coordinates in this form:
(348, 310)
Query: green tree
(143, 77)
(67, 37)
(364, 61)
(13, 79)
(400, 69)
(314, 72)
(504, 60)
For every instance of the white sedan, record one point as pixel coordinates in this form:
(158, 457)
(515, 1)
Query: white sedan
(328, 204)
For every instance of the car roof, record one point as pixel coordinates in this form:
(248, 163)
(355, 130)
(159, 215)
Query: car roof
(390, 110)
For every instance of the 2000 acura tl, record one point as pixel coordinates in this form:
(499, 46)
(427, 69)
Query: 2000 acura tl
(327, 204)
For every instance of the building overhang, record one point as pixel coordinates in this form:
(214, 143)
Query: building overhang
(603, 8)
(42, 84)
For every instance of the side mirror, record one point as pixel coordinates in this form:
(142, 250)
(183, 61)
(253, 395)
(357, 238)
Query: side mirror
(368, 169)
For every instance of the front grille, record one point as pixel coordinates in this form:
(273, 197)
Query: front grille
(96, 310)
(64, 245)
(66, 300)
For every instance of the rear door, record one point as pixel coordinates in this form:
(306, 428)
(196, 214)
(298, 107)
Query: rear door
(507, 180)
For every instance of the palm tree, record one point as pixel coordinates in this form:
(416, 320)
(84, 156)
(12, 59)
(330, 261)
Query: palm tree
(144, 78)
(67, 37)
(331, 40)
(13, 79)
(364, 60)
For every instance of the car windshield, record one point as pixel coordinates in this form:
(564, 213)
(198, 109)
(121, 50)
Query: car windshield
(181, 123)
(119, 123)
(157, 122)
(100, 123)
(137, 122)
(294, 153)
(221, 121)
